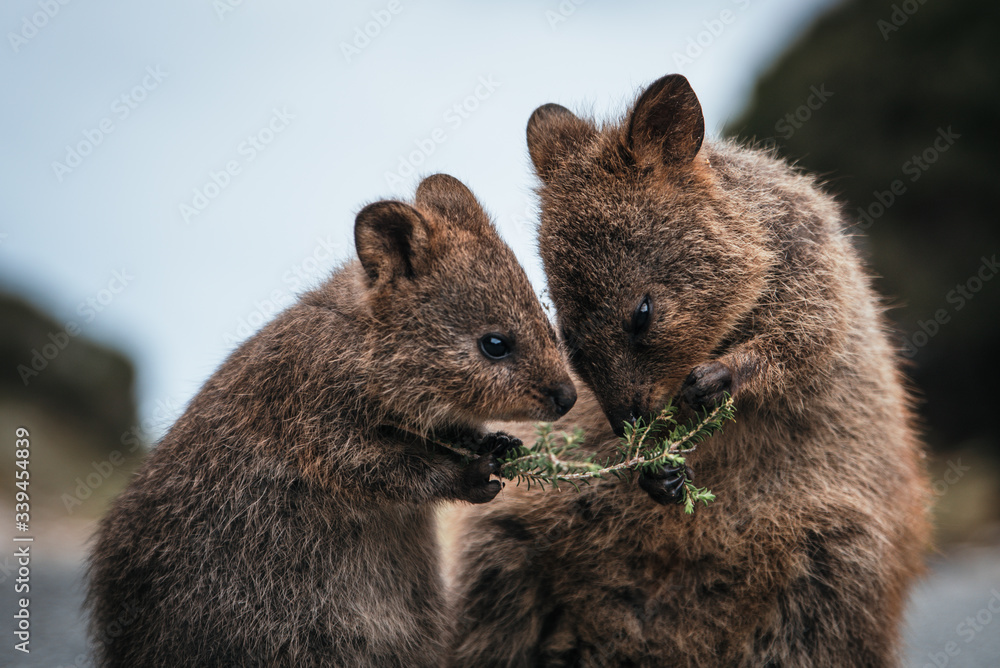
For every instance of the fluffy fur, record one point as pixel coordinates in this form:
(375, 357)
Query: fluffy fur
(821, 521)
(287, 517)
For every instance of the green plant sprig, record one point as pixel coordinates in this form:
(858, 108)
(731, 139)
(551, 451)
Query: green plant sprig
(646, 446)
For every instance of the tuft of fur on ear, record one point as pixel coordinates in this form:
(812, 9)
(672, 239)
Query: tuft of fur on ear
(553, 131)
(667, 125)
(450, 199)
(392, 240)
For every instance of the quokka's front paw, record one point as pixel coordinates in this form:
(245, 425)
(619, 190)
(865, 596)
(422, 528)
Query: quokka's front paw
(707, 386)
(498, 444)
(477, 485)
(666, 486)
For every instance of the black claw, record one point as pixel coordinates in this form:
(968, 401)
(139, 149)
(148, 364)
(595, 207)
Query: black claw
(707, 385)
(498, 444)
(477, 484)
(666, 486)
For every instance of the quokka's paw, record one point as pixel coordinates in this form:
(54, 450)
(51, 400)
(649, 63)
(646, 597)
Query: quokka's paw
(666, 486)
(477, 485)
(707, 385)
(498, 444)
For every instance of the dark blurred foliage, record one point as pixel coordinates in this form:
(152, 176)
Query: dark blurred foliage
(84, 382)
(895, 76)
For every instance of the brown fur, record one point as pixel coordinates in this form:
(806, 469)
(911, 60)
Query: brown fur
(821, 521)
(287, 517)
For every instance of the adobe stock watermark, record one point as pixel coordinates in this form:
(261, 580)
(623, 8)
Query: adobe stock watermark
(96, 476)
(164, 412)
(297, 278)
(901, 13)
(562, 12)
(224, 7)
(453, 117)
(913, 168)
(526, 221)
(88, 309)
(957, 297)
(247, 151)
(968, 629)
(364, 34)
(121, 108)
(952, 475)
(794, 120)
(31, 24)
(132, 440)
(713, 30)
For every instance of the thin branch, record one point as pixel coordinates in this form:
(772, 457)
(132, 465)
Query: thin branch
(543, 464)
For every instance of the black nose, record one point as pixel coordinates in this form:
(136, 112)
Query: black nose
(619, 415)
(562, 397)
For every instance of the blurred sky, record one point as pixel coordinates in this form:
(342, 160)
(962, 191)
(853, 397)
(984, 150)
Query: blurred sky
(201, 77)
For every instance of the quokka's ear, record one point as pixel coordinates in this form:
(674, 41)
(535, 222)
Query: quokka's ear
(392, 240)
(452, 201)
(667, 124)
(553, 132)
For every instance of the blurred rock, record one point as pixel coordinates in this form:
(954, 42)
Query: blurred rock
(89, 381)
(77, 408)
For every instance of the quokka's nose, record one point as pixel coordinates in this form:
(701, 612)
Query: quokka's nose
(562, 396)
(620, 415)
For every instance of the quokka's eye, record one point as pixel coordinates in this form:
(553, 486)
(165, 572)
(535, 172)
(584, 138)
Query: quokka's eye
(494, 346)
(641, 316)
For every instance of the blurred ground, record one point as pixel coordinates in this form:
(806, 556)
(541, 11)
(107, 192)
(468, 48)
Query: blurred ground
(963, 584)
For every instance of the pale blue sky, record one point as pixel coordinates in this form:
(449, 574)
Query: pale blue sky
(199, 80)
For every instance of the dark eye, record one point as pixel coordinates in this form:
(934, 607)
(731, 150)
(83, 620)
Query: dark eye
(641, 316)
(494, 346)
